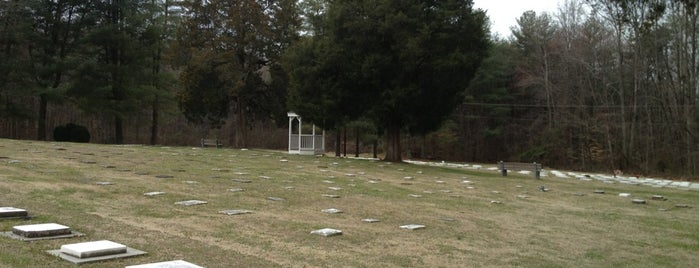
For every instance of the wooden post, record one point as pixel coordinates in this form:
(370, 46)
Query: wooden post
(536, 171)
(291, 119)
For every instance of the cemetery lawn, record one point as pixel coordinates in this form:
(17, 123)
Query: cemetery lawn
(568, 226)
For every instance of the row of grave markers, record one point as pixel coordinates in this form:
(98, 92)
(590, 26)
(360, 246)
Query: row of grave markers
(77, 253)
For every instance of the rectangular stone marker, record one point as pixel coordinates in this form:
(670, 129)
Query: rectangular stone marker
(331, 211)
(191, 202)
(235, 211)
(327, 232)
(331, 196)
(272, 198)
(153, 193)
(167, 264)
(10, 212)
(370, 220)
(41, 230)
(412, 226)
(93, 249)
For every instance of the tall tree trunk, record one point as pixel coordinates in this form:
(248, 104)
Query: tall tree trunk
(374, 149)
(356, 143)
(393, 148)
(118, 130)
(41, 129)
(338, 140)
(547, 87)
(344, 142)
(241, 137)
(154, 122)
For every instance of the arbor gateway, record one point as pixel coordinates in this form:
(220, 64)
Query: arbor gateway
(404, 64)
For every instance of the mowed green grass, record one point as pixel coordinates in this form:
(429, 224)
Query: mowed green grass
(57, 182)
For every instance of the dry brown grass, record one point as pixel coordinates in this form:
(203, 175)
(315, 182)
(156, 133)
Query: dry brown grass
(56, 182)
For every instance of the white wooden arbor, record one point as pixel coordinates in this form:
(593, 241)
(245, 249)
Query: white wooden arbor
(307, 144)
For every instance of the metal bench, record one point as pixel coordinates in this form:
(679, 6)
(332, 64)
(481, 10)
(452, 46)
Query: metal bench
(211, 142)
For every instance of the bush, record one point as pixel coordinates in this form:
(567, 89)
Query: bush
(71, 132)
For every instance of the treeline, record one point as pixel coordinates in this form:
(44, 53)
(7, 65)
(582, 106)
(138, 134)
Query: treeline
(600, 84)
(597, 85)
(144, 71)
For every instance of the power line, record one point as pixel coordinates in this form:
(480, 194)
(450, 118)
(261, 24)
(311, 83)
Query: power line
(568, 106)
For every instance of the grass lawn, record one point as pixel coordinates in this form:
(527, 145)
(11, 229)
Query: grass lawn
(58, 182)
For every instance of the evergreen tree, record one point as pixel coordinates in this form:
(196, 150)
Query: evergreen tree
(235, 46)
(114, 71)
(15, 93)
(404, 64)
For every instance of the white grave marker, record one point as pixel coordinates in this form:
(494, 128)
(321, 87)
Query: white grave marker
(167, 264)
(331, 211)
(327, 232)
(41, 230)
(190, 202)
(93, 249)
(12, 212)
(412, 226)
(235, 211)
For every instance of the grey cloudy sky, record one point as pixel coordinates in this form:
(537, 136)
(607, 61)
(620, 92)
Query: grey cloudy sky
(503, 13)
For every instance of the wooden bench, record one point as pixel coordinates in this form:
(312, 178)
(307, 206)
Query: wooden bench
(533, 167)
(211, 142)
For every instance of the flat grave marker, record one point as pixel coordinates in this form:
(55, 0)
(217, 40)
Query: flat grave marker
(190, 202)
(370, 220)
(235, 211)
(273, 198)
(327, 232)
(412, 226)
(638, 201)
(12, 212)
(166, 264)
(93, 251)
(38, 230)
(658, 197)
(331, 211)
(153, 193)
(42, 231)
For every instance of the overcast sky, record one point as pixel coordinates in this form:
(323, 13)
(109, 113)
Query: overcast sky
(504, 13)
